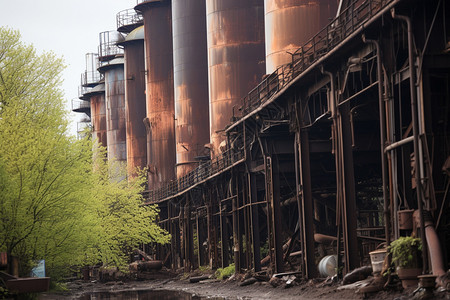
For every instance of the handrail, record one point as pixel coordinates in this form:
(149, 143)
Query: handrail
(80, 104)
(128, 18)
(352, 18)
(202, 172)
(89, 78)
(108, 44)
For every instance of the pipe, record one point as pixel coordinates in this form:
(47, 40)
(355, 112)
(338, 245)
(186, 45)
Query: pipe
(398, 144)
(413, 91)
(434, 247)
(382, 138)
(332, 105)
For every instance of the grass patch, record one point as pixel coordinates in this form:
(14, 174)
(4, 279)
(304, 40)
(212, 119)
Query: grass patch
(223, 273)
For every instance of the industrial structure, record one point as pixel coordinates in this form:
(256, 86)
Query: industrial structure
(318, 146)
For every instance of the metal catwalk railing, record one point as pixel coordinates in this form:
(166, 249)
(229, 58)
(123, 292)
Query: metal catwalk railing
(80, 105)
(128, 18)
(352, 18)
(108, 45)
(205, 170)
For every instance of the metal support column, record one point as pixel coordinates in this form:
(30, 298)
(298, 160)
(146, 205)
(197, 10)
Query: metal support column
(254, 222)
(274, 214)
(306, 219)
(349, 194)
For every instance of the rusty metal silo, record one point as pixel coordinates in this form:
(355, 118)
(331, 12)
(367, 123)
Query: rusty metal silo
(190, 82)
(160, 119)
(98, 114)
(235, 58)
(112, 66)
(289, 24)
(92, 89)
(136, 136)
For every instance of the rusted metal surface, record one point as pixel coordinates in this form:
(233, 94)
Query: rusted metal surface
(190, 82)
(289, 24)
(159, 92)
(98, 115)
(235, 58)
(115, 109)
(135, 108)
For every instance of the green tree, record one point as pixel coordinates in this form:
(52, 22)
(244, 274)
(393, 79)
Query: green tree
(44, 186)
(123, 221)
(53, 205)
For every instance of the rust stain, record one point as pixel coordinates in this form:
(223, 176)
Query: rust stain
(290, 24)
(159, 93)
(190, 82)
(235, 58)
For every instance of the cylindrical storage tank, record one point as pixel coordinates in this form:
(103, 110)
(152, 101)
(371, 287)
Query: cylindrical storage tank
(115, 109)
(136, 136)
(235, 58)
(98, 114)
(289, 24)
(190, 62)
(160, 119)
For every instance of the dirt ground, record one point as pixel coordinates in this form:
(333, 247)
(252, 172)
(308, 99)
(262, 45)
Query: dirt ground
(232, 290)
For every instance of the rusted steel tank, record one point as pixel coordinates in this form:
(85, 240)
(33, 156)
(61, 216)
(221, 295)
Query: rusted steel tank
(98, 114)
(289, 24)
(190, 60)
(160, 119)
(115, 108)
(136, 136)
(235, 58)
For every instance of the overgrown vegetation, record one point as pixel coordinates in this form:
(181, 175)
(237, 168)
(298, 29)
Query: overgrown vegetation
(405, 252)
(58, 201)
(223, 273)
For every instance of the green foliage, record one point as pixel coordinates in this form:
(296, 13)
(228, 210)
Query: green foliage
(204, 269)
(44, 187)
(405, 251)
(121, 219)
(54, 204)
(226, 272)
(265, 249)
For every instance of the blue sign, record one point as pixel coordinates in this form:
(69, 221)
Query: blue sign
(39, 270)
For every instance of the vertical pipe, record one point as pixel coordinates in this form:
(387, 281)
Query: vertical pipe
(236, 235)
(382, 114)
(332, 105)
(413, 91)
(254, 222)
(190, 235)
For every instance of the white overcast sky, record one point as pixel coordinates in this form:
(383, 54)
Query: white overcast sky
(68, 28)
